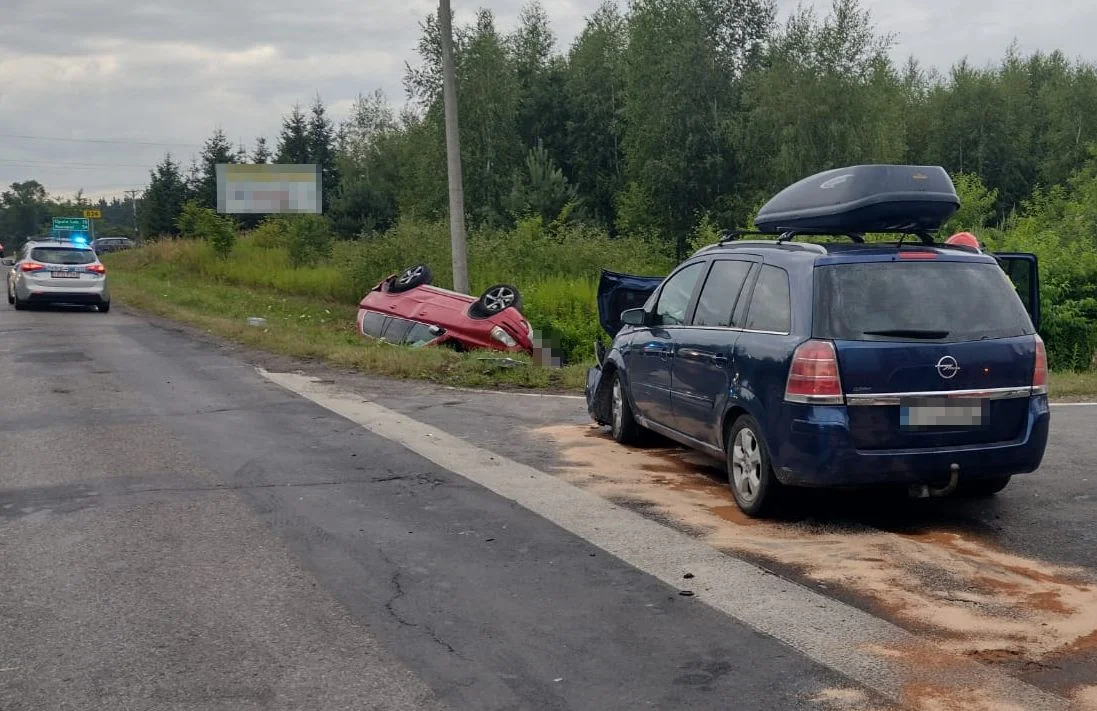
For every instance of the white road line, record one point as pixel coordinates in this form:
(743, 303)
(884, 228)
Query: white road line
(1074, 404)
(832, 633)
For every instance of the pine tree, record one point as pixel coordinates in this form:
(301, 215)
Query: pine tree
(293, 142)
(217, 149)
(321, 145)
(163, 200)
(261, 154)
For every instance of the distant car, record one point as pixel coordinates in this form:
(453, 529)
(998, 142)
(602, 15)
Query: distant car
(112, 244)
(56, 272)
(406, 309)
(833, 364)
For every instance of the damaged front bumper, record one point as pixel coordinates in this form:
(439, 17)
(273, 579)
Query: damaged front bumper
(598, 401)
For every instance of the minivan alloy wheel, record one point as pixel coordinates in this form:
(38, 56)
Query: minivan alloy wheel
(618, 407)
(746, 465)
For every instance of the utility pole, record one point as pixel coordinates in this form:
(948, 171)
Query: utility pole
(133, 201)
(453, 154)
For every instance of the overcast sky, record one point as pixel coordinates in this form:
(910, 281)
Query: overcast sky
(119, 74)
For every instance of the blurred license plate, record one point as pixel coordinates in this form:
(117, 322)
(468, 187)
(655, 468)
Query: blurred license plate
(64, 275)
(928, 414)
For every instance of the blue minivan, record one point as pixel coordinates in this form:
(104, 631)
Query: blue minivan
(840, 361)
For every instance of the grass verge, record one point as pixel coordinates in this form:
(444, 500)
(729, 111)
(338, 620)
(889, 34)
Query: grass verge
(1073, 386)
(325, 331)
(310, 311)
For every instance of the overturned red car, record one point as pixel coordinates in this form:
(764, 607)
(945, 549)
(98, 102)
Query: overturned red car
(406, 309)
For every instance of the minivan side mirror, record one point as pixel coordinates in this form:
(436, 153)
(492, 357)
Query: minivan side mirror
(633, 317)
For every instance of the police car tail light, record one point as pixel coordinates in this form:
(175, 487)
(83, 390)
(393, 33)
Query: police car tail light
(31, 267)
(813, 378)
(1039, 372)
(97, 268)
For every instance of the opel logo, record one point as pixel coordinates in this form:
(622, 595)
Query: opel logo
(947, 367)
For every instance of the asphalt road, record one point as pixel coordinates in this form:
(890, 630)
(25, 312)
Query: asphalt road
(176, 532)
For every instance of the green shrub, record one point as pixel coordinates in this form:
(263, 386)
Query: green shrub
(200, 222)
(1070, 331)
(271, 233)
(309, 239)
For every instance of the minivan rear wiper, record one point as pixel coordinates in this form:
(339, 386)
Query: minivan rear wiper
(909, 333)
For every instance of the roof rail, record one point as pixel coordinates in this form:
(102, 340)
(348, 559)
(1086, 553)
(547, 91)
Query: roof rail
(735, 235)
(789, 235)
(766, 244)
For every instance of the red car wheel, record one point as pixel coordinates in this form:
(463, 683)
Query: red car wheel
(496, 299)
(413, 276)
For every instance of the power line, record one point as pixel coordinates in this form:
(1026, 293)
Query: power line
(122, 141)
(31, 163)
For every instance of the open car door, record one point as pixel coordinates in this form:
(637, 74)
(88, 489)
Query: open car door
(1023, 270)
(620, 292)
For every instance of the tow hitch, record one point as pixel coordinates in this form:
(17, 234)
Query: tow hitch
(925, 491)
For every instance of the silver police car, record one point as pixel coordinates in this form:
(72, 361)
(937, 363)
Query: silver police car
(57, 272)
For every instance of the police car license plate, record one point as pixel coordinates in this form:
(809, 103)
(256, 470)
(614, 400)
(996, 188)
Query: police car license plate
(935, 413)
(64, 275)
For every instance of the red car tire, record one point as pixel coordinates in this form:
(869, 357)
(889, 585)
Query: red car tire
(495, 300)
(413, 276)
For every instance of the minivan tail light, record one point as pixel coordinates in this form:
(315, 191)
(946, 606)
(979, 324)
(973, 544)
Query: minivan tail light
(813, 378)
(31, 267)
(1039, 372)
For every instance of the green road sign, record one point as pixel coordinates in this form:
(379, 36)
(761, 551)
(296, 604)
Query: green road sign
(77, 224)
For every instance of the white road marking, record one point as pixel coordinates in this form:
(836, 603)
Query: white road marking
(832, 633)
(1074, 404)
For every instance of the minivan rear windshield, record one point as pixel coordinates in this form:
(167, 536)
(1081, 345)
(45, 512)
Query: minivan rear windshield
(62, 255)
(932, 301)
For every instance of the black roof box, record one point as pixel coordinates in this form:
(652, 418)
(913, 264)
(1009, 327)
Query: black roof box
(863, 198)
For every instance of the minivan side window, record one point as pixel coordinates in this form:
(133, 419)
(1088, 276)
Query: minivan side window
(720, 293)
(770, 308)
(675, 296)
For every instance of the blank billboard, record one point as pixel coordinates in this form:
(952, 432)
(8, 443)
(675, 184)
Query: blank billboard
(265, 189)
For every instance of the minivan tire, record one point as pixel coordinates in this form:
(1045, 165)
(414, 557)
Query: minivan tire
(104, 307)
(980, 488)
(19, 304)
(755, 487)
(623, 425)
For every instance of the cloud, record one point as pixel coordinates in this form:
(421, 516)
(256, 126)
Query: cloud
(173, 70)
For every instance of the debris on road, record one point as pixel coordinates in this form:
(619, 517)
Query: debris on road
(501, 362)
(966, 594)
